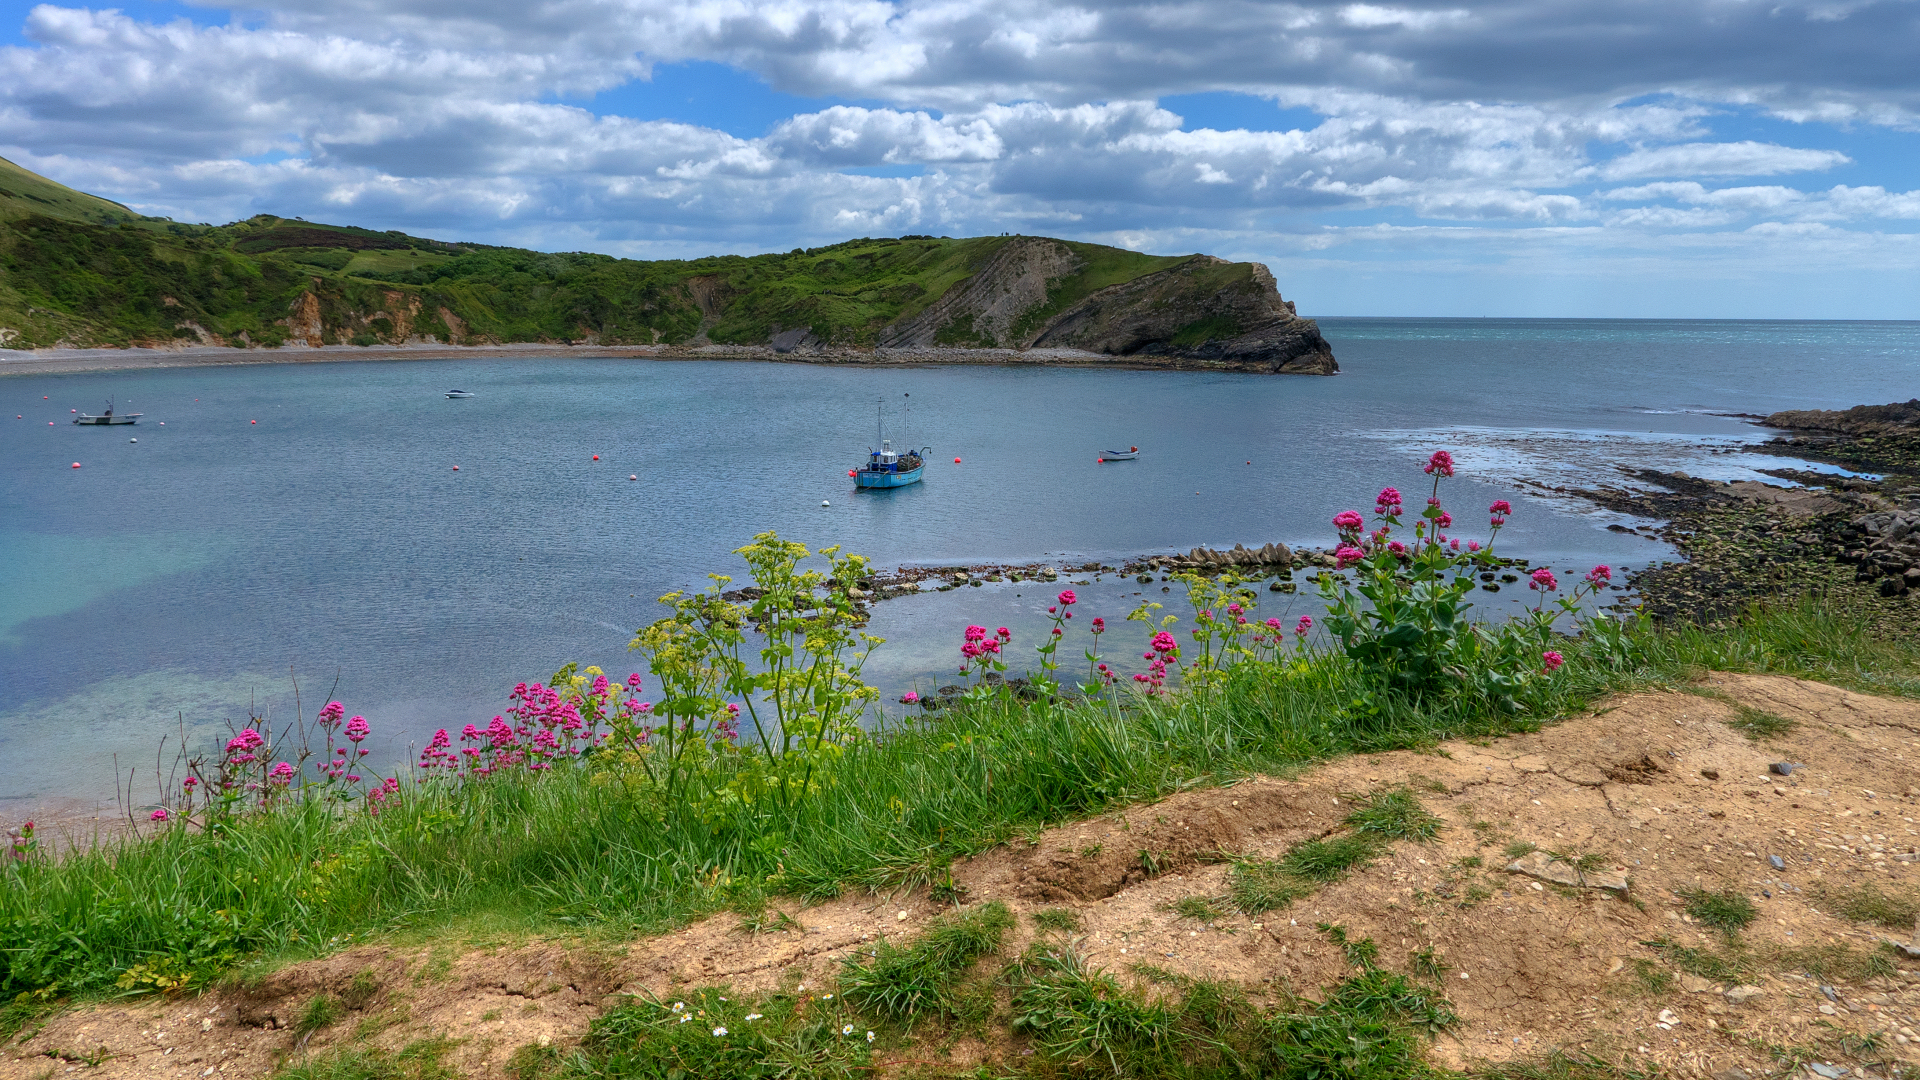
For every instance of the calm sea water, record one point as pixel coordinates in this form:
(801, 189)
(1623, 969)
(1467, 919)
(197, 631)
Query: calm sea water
(281, 522)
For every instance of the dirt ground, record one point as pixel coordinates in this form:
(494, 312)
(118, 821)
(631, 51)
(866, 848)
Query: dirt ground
(1656, 787)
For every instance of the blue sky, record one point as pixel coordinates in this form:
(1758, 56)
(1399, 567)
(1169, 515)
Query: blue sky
(1518, 157)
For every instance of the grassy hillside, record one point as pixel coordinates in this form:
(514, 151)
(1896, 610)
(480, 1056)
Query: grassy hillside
(28, 194)
(80, 271)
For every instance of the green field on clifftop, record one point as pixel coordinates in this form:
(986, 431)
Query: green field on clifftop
(82, 271)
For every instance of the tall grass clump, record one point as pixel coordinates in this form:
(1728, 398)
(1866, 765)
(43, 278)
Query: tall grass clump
(899, 982)
(747, 772)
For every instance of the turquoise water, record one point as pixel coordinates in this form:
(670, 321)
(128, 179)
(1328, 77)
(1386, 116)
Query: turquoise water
(283, 522)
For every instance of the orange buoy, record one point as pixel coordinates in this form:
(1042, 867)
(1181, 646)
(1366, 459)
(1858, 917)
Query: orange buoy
(456, 468)
(635, 476)
(253, 421)
(596, 457)
(956, 461)
(76, 464)
(1101, 460)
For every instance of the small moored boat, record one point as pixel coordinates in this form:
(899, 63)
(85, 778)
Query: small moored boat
(1120, 455)
(886, 469)
(107, 417)
(459, 393)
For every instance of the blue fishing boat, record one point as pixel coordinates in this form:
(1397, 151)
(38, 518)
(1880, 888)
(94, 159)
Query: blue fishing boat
(884, 467)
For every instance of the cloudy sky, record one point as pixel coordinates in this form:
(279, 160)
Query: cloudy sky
(1640, 158)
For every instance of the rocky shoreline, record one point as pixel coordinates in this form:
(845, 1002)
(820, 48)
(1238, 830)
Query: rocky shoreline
(67, 361)
(1854, 540)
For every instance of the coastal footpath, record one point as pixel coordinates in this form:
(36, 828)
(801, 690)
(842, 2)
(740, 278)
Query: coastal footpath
(82, 273)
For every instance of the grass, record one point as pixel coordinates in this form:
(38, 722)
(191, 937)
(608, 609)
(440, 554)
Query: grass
(1726, 910)
(418, 1061)
(1195, 907)
(566, 854)
(321, 1011)
(1758, 723)
(1394, 815)
(1256, 886)
(1058, 919)
(714, 1033)
(1899, 910)
(899, 982)
(1086, 1022)
(1737, 963)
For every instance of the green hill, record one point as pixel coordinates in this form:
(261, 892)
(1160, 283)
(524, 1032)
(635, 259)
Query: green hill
(80, 271)
(28, 194)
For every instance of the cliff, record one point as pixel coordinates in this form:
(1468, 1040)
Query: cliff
(82, 272)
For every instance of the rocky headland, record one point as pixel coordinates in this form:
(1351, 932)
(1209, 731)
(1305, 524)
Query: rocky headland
(85, 274)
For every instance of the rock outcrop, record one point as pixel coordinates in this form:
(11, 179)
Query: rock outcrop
(1203, 312)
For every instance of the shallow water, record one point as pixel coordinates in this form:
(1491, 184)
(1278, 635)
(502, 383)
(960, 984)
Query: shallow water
(180, 580)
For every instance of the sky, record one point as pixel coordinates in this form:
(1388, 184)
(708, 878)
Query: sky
(1549, 158)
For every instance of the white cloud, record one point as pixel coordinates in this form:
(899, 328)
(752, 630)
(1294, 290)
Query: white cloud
(1044, 114)
(1718, 159)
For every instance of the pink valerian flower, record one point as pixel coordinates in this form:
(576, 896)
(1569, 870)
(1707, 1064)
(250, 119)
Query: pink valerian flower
(1349, 521)
(1441, 463)
(909, 697)
(190, 783)
(1500, 506)
(357, 729)
(600, 685)
(158, 815)
(633, 682)
(1234, 609)
(1552, 660)
(281, 774)
(1454, 544)
(1600, 575)
(1543, 580)
(975, 633)
(1444, 521)
(1099, 625)
(1164, 642)
(1397, 549)
(1497, 521)
(1387, 503)
(1305, 624)
(1273, 625)
(331, 712)
(1067, 597)
(1347, 556)
(1473, 545)
(1003, 634)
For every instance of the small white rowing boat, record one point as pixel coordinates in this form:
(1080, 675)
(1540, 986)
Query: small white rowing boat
(459, 393)
(1120, 455)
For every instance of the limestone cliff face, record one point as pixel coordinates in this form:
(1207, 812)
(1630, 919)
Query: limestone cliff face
(1207, 312)
(1200, 313)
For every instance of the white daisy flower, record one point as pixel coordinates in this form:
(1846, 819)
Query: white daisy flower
(869, 1036)
(679, 1006)
(684, 1019)
(719, 1031)
(848, 1030)
(753, 1016)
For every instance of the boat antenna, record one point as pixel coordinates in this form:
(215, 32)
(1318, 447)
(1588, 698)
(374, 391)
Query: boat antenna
(879, 432)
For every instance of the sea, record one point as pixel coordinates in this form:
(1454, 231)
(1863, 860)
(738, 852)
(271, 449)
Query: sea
(280, 533)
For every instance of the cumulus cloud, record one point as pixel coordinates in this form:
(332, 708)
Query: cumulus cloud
(1487, 119)
(1719, 159)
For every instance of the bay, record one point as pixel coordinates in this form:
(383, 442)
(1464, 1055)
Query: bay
(281, 521)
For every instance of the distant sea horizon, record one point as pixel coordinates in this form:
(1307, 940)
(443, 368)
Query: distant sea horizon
(282, 521)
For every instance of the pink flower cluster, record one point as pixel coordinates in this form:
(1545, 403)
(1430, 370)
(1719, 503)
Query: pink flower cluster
(979, 645)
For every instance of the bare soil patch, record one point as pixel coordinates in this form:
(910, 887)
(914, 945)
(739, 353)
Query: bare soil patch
(1661, 788)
